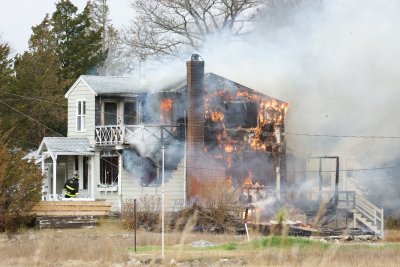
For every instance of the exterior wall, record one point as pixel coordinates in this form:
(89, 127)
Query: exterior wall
(174, 188)
(82, 92)
(132, 188)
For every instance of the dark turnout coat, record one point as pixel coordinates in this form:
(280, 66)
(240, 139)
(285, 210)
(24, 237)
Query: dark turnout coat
(71, 187)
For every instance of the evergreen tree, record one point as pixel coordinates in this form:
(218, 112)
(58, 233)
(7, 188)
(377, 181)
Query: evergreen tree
(7, 84)
(62, 47)
(20, 188)
(36, 74)
(6, 70)
(78, 43)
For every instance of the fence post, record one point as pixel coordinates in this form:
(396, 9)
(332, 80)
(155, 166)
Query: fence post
(382, 223)
(134, 220)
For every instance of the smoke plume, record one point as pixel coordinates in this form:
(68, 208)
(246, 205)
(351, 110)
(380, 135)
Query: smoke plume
(335, 62)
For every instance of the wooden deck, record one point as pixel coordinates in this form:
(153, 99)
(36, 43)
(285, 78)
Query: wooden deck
(72, 208)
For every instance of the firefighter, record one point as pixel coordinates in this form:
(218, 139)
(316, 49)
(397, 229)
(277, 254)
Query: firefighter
(72, 186)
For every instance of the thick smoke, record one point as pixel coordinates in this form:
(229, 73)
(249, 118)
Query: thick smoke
(335, 62)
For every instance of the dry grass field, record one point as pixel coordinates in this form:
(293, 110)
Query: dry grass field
(109, 245)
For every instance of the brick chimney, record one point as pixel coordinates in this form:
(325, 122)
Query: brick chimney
(195, 102)
(195, 123)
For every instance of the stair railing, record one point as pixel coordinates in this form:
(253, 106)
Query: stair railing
(370, 211)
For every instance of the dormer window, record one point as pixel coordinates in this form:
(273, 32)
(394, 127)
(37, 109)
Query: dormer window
(81, 116)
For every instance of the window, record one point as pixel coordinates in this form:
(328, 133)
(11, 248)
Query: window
(167, 111)
(110, 113)
(81, 116)
(130, 113)
(109, 170)
(241, 114)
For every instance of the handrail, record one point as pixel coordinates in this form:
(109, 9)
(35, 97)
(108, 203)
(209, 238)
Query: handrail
(120, 134)
(371, 212)
(356, 201)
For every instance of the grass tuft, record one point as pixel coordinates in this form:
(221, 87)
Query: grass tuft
(277, 242)
(230, 246)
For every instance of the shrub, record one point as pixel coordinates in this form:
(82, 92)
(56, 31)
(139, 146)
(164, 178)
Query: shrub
(20, 189)
(147, 210)
(218, 209)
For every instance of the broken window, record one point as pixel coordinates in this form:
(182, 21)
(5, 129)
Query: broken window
(110, 113)
(109, 170)
(241, 113)
(130, 113)
(167, 111)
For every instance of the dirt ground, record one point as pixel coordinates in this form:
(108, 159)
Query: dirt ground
(109, 245)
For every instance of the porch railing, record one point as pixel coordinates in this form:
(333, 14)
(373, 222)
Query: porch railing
(131, 134)
(109, 135)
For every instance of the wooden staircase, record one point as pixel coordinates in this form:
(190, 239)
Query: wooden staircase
(69, 214)
(369, 215)
(364, 211)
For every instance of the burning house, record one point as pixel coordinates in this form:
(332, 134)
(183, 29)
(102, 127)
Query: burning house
(212, 129)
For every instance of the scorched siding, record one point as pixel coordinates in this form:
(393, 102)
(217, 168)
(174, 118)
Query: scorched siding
(174, 191)
(82, 92)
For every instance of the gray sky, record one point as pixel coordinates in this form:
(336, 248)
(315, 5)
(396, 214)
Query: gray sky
(18, 16)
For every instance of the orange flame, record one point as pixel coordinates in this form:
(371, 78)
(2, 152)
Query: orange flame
(217, 116)
(229, 148)
(166, 104)
(249, 180)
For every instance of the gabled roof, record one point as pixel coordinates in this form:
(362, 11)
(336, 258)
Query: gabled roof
(125, 85)
(66, 146)
(109, 85)
(213, 81)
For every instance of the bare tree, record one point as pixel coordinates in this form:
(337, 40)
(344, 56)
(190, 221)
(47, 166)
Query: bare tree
(163, 27)
(116, 60)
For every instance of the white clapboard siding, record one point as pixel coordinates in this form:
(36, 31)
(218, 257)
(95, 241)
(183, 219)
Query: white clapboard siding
(82, 92)
(174, 191)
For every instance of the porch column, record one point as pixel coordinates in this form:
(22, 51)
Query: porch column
(92, 181)
(80, 170)
(43, 171)
(54, 177)
(278, 183)
(120, 182)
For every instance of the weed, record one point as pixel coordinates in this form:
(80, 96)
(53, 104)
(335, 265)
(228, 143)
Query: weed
(230, 246)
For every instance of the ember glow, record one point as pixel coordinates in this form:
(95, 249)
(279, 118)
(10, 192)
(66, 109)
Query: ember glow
(217, 116)
(166, 104)
(244, 132)
(166, 107)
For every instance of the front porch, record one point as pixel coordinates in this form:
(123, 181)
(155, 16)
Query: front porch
(59, 157)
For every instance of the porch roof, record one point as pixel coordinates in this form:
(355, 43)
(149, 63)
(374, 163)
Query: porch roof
(66, 146)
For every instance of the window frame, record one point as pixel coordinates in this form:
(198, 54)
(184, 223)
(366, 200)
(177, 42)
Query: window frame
(105, 165)
(81, 124)
(103, 111)
(137, 110)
